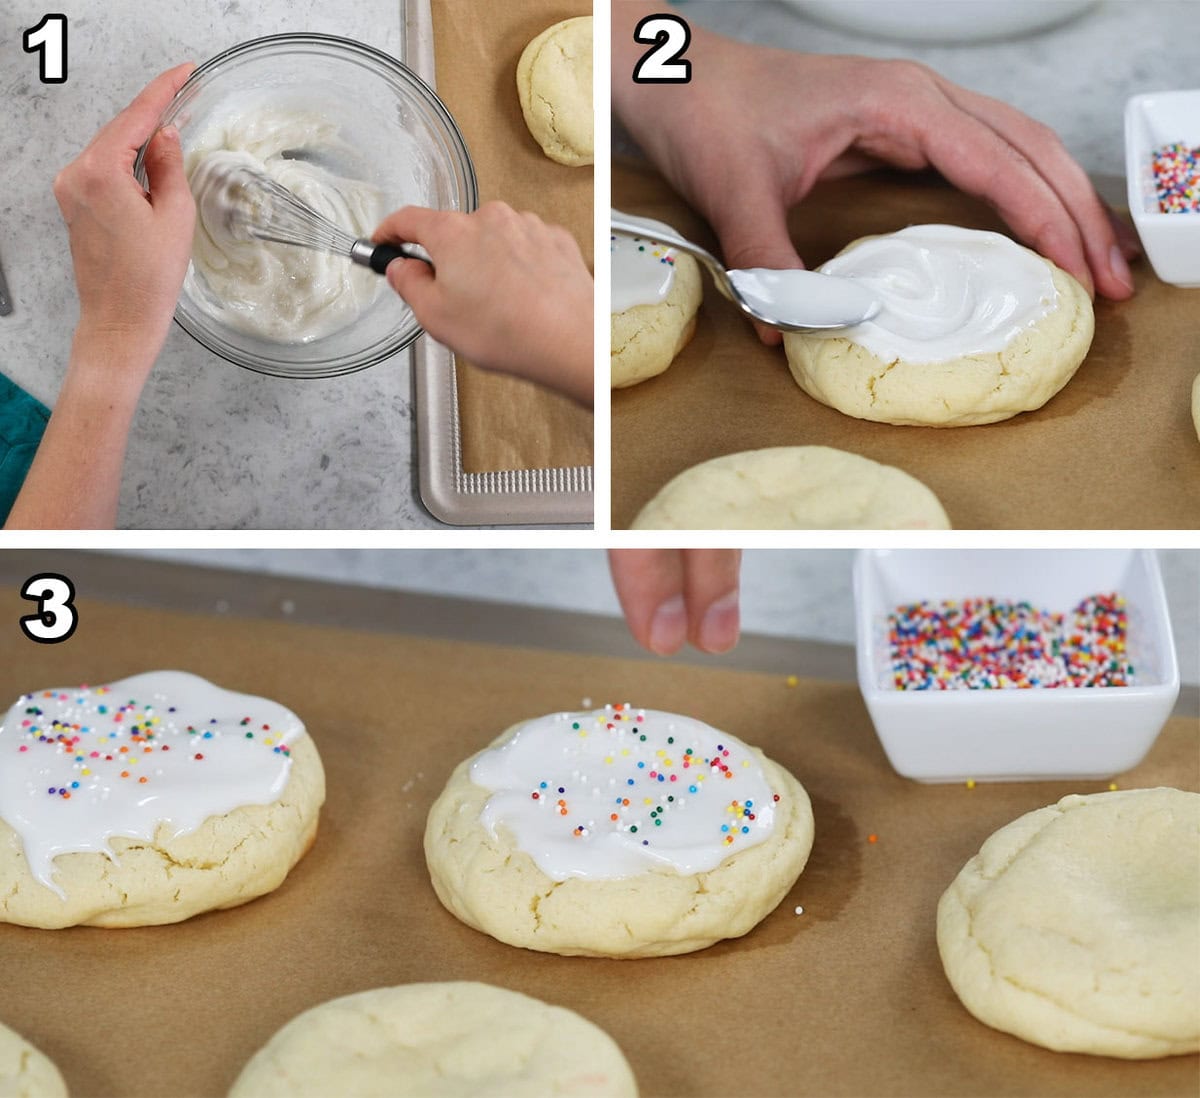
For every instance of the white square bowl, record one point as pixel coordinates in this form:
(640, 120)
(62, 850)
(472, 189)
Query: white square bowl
(1171, 240)
(1016, 734)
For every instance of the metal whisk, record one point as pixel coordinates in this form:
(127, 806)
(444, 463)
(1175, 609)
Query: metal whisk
(253, 206)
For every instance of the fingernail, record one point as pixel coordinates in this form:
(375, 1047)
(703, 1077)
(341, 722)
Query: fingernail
(719, 629)
(1118, 266)
(668, 627)
(170, 133)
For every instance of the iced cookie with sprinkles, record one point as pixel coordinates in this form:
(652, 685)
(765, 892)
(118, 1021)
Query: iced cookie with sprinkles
(619, 832)
(149, 800)
(656, 292)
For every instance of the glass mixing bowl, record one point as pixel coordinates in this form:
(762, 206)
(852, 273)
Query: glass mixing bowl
(398, 137)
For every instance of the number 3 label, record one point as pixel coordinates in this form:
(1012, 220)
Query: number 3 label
(57, 617)
(49, 41)
(663, 64)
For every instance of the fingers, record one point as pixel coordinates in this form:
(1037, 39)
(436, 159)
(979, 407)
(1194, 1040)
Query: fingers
(1040, 146)
(414, 281)
(710, 590)
(980, 162)
(134, 125)
(649, 585)
(753, 232)
(413, 224)
(670, 596)
(169, 190)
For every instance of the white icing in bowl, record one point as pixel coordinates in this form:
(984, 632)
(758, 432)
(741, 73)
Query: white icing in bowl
(620, 791)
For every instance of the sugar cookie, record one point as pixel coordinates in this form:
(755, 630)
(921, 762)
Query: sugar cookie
(656, 292)
(149, 800)
(617, 833)
(1077, 926)
(974, 329)
(554, 82)
(25, 1072)
(452, 1039)
(793, 488)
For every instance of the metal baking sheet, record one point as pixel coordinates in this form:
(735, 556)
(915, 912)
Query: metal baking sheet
(508, 497)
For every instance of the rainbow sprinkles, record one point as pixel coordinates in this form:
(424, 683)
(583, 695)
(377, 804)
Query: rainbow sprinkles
(619, 791)
(79, 766)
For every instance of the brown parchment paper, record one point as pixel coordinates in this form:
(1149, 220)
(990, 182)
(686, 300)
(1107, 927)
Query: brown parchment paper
(1116, 449)
(508, 423)
(846, 999)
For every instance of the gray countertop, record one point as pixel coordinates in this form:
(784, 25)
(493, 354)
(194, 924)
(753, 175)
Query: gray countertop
(787, 593)
(1075, 77)
(213, 446)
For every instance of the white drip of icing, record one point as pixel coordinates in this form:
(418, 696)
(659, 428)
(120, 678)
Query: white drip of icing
(63, 753)
(947, 292)
(642, 270)
(619, 791)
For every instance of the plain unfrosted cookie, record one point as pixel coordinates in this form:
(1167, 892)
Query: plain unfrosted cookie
(448, 1039)
(556, 839)
(1077, 926)
(554, 81)
(25, 1072)
(93, 774)
(959, 388)
(793, 488)
(646, 338)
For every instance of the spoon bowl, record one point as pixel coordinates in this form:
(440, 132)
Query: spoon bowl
(792, 301)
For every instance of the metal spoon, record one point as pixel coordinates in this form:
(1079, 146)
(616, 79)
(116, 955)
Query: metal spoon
(793, 301)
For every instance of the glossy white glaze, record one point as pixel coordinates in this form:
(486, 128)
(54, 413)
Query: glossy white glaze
(642, 270)
(619, 791)
(947, 292)
(81, 765)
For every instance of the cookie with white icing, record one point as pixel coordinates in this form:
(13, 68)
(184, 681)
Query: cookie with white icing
(149, 800)
(618, 832)
(793, 488)
(974, 329)
(452, 1039)
(554, 83)
(1077, 926)
(25, 1072)
(656, 292)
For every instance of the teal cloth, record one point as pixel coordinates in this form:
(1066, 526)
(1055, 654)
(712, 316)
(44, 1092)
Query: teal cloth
(22, 422)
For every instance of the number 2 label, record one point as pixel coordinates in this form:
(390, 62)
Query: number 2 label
(49, 41)
(664, 64)
(56, 616)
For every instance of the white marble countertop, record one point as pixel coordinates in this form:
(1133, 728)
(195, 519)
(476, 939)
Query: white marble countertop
(213, 446)
(803, 593)
(1075, 77)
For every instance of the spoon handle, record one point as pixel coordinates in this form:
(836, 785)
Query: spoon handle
(664, 234)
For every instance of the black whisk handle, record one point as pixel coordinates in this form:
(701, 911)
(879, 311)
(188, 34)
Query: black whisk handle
(383, 254)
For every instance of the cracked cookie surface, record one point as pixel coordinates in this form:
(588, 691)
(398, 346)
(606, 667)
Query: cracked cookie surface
(959, 392)
(25, 1072)
(793, 488)
(492, 885)
(438, 1039)
(554, 83)
(1077, 926)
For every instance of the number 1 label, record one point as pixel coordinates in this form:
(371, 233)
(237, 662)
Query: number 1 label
(49, 41)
